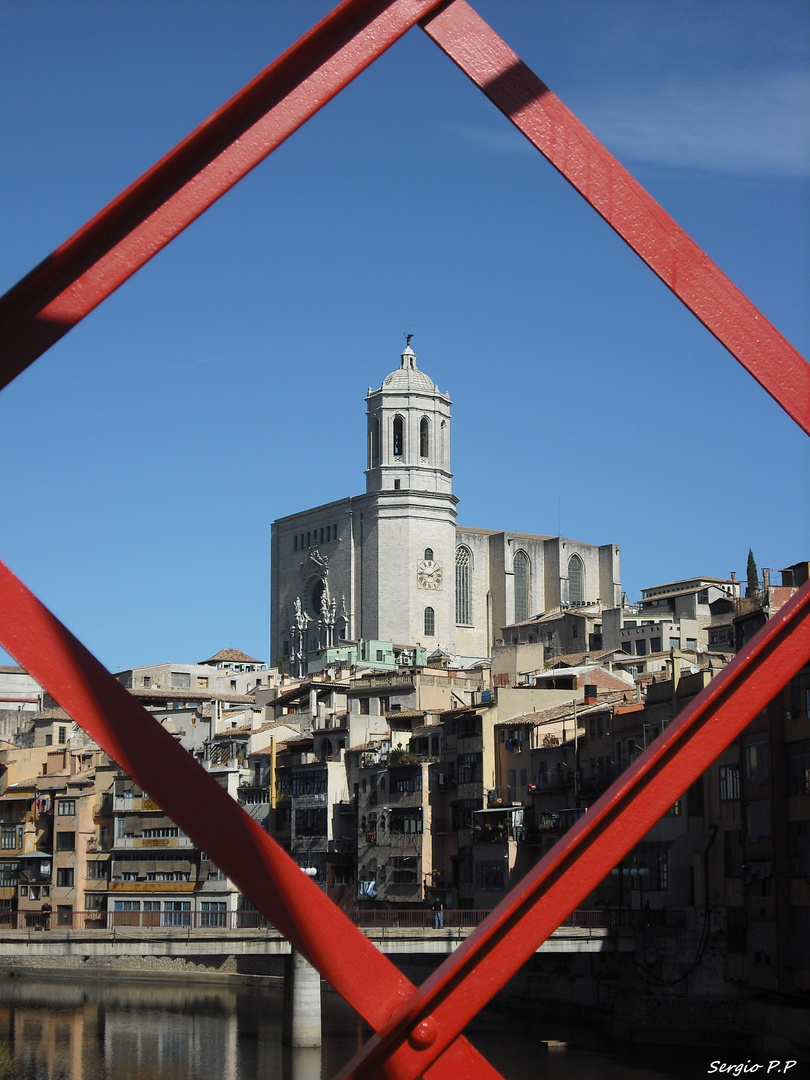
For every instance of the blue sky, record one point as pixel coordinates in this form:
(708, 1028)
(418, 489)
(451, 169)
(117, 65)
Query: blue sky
(147, 453)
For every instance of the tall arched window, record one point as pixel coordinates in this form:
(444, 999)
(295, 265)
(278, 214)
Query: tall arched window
(463, 590)
(374, 450)
(430, 622)
(576, 580)
(398, 438)
(522, 583)
(424, 440)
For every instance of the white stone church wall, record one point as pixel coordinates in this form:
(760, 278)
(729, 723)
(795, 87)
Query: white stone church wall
(472, 639)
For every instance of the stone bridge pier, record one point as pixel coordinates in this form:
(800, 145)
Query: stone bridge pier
(301, 1025)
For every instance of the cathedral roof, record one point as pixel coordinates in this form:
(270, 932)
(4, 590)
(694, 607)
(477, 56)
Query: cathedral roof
(408, 376)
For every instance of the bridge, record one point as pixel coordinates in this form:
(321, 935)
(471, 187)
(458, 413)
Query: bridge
(403, 933)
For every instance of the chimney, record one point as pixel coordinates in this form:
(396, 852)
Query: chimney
(591, 693)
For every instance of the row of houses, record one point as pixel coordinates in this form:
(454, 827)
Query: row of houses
(403, 787)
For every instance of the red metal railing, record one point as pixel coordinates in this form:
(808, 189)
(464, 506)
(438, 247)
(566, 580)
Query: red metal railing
(418, 1031)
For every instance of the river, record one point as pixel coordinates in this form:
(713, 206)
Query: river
(116, 1029)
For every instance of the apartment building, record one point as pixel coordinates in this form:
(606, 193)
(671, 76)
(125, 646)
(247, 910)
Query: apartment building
(49, 830)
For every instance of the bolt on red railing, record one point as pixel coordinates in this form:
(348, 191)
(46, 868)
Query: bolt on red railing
(418, 1031)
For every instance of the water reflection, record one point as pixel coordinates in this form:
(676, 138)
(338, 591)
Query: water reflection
(90, 1030)
(106, 1029)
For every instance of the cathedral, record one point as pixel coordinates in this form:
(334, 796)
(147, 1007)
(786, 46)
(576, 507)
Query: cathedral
(393, 565)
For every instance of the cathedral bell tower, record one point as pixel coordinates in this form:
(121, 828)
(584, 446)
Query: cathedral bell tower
(408, 521)
(408, 432)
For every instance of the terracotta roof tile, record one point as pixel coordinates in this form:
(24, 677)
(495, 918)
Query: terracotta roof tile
(54, 713)
(233, 656)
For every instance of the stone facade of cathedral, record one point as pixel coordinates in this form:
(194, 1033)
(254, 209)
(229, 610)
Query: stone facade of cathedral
(393, 565)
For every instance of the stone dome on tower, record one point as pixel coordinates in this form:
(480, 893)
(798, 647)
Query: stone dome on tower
(408, 376)
(408, 426)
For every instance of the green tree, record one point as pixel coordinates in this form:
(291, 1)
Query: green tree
(752, 588)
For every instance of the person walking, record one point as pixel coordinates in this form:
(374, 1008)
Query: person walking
(438, 915)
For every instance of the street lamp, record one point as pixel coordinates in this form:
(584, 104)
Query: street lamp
(638, 875)
(622, 873)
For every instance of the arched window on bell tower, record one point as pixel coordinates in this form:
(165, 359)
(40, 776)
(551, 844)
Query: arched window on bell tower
(522, 583)
(398, 438)
(430, 622)
(374, 447)
(424, 438)
(463, 592)
(576, 580)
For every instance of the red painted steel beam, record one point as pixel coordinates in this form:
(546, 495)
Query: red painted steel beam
(62, 290)
(452, 996)
(89, 266)
(624, 204)
(216, 822)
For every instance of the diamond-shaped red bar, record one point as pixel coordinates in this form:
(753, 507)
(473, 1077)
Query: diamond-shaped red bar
(624, 204)
(89, 266)
(418, 1031)
(216, 822)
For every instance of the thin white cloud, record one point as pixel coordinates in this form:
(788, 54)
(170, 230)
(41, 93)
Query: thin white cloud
(744, 124)
(503, 139)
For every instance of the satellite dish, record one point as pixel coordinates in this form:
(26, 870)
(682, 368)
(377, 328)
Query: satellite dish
(693, 670)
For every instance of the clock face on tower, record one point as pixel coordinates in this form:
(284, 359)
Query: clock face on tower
(428, 574)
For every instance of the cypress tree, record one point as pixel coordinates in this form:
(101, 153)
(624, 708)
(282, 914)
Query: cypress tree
(752, 588)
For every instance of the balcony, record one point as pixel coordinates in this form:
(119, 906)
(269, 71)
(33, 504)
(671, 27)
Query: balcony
(129, 843)
(254, 796)
(134, 804)
(374, 759)
(332, 722)
(95, 885)
(35, 877)
(302, 802)
(309, 845)
(497, 833)
(377, 681)
(562, 777)
(152, 886)
(405, 798)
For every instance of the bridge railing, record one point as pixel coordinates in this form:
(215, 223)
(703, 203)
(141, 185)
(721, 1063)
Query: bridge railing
(453, 919)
